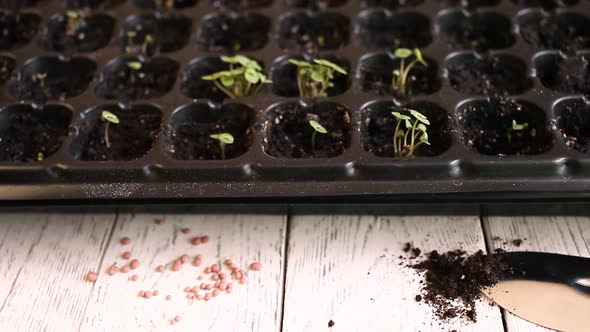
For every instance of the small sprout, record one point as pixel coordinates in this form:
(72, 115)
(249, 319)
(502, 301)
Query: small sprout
(314, 79)
(135, 65)
(40, 156)
(317, 128)
(109, 118)
(518, 127)
(399, 81)
(148, 40)
(74, 20)
(407, 140)
(40, 77)
(244, 77)
(224, 139)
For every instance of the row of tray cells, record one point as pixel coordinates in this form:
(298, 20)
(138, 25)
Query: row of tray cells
(391, 4)
(485, 126)
(148, 33)
(128, 78)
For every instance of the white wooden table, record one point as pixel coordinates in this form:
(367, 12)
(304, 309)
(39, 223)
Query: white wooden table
(316, 268)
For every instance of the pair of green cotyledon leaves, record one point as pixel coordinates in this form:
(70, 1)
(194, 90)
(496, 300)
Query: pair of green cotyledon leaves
(420, 124)
(250, 70)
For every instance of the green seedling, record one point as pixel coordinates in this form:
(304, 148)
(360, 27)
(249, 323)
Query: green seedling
(74, 20)
(40, 77)
(147, 41)
(40, 156)
(317, 128)
(409, 136)
(519, 126)
(109, 118)
(315, 78)
(244, 77)
(401, 75)
(224, 139)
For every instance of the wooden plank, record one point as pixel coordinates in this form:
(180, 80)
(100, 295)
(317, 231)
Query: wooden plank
(346, 269)
(43, 262)
(562, 235)
(255, 306)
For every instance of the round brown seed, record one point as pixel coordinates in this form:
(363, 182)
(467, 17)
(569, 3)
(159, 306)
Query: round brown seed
(126, 255)
(204, 239)
(125, 241)
(215, 292)
(148, 294)
(177, 318)
(196, 241)
(184, 258)
(160, 268)
(168, 297)
(156, 292)
(125, 269)
(185, 230)
(91, 276)
(215, 268)
(134, 264)
(134, 277)
(256, 266)
(142, 293)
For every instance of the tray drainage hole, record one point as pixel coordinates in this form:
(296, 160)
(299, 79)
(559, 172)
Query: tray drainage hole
(147, 34)
(573, 122)
(545, 4)
(563, 74)
(479, 31)
(17, 32)
(99, 140)
(312, 32)
(31, 135)
(230, 33)
(379, 28)
(163, 5)
(564, 31)
(77, 33)
(288, 130)
(375, 73)
(491, 75)
(379, 128)
(188, 135)
(499, 127)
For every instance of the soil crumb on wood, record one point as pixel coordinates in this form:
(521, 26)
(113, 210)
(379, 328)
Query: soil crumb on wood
(331, 323)
(452, 281)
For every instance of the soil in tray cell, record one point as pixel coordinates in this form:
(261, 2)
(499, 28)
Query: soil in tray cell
(241, 4)
(85, 4)
(17, 29)
(313, 32)
(52, 78)
(379, 28)
(480, 31)
(566, 31)
(164, 4)
(189, 133)
(491, 75)
(545, 4)
(315, 4)
(379, 126)
(130, 139)
(289, 130)
(564, 74)
(147, 34)
(504, 127)
(16, 5)
(77, 32)
(231, 32)
(391, 4)
(375, 73)
(469, 3)
(28, 134)
(573, 121)
(7, 64)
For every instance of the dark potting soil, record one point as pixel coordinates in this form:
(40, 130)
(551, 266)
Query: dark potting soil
(288, 134)
(479, 31)
(453, 281)
(7, 65)
(313, 32)
(131, 139)
(29, 135)
(391, 4)
(188, 137)
(83, 4)
(169, 33)
(487, 126)
(564, 31)
(17, 30)
(571, 75)
(545, 4)
(376, 73)
(156, 4)
(315, 4)
(490, 76)
(88, 34)
(377, 28)
(573, 121)
(228, 33)
(241, 4)
(470, 3)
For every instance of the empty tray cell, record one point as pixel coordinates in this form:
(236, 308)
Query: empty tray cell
(231, 32)
(194, 86)
(7, 64)
(391, 4)
(480, 30)
(470, 3)
(16, 5)
(379, 126)
(376, 75)
(28, 134)
(130, 78)
(498, 127)
(164, 4)
(17, 30)
(147, 33)
(313, 31)
(291, 130)
(84, 4)
(545, 4)
(379, 28)
(52, 78)
(572, 117)
(285, 81)
(241, 4)
(566, 31)
(491, 75)
(189, 133)
(98, 139)
(315, 4)
(77, 32)
(564, 74)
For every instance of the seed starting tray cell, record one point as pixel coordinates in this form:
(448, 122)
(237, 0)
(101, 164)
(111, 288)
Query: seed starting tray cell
(503, 88)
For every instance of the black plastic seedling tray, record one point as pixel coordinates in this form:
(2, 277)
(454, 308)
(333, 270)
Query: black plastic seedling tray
(487, 67)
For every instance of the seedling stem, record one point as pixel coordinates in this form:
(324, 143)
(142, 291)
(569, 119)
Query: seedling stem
(406, 141)
(317, 128)
(109, 118)
(400, 77)
(224, 139)
(244, 77)
(315, 78)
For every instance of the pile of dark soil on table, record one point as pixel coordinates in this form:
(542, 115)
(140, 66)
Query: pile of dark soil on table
(453, 280)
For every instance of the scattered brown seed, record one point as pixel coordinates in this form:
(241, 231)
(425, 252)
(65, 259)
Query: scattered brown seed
(195, 241)
(204, 239)
(112, 270)
(126, 255)
(200, 277)
(227, 262)
(215, 268)
(184, 258)
(207, 297)
(187, 289)
(214, 277)
(148, 294)
(142, 293)
(198, 296)
(222, 276)
(195, 289)
(229, 290)
(160, 221)
(134, 277)
(207, 270)
(125, 241)
(91, 276)
(134, 264)
(168, 297)
(185, 230)
(243, 280)
(175, 267)
(156, 292)
(230, 285)
(222, 286)
(209, 287)
(331, 323)
(160, 268)
(256, 266)
(197, 261)
(177, 318)
(125, 269)
(215, 292)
